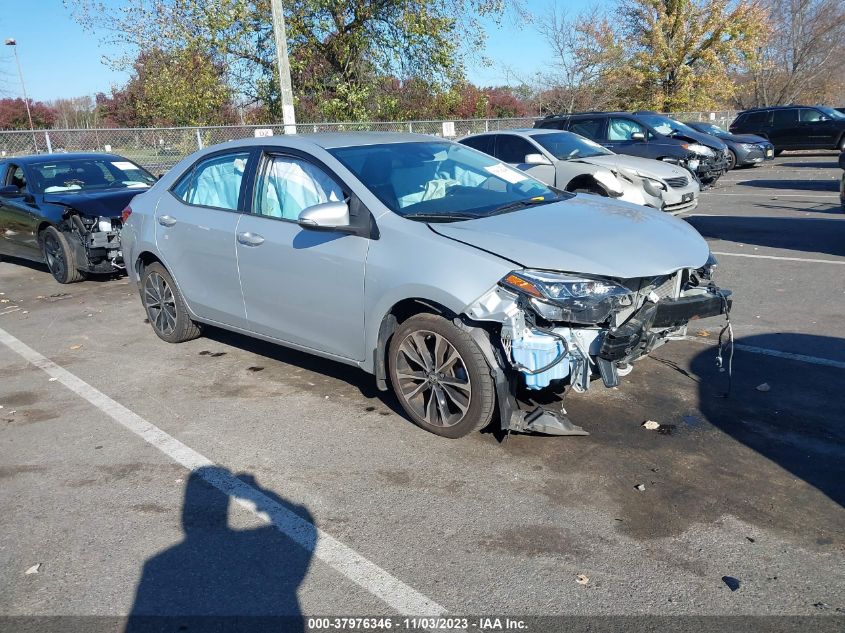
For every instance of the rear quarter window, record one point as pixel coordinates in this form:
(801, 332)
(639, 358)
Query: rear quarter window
(481, 143)
(784, 118)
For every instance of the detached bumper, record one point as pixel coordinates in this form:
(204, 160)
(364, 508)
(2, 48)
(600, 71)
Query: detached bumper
(675, 312)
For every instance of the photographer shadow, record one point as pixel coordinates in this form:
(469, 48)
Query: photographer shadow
(223, 579)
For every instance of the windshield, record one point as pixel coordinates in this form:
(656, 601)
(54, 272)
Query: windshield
(664, 125)
(830, 112)
(568, 146)
(88, 174)
(442, 181)
(710, 128)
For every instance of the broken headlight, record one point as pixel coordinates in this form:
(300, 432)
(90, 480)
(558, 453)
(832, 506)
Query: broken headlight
(568, 298)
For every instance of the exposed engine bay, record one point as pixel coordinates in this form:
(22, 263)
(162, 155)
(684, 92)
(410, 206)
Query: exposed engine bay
(592, 328)
(96, 241)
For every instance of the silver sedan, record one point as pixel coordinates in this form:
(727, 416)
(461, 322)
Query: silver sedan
(573, 163)
(449, 275)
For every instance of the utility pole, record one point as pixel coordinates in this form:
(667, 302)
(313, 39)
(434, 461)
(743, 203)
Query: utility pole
(288, 115)
(11, 42)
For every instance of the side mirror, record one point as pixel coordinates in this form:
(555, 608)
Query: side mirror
(10, 191)
(327, 216)
(637, 136)
(536, 159)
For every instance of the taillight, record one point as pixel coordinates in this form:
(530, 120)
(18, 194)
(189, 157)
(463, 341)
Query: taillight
(124, 215)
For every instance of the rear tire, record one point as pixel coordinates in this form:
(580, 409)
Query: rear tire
(440, 377)
(60, 256)
(165, 307)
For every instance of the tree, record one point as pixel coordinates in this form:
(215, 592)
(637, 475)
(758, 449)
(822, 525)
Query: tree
(802, 60)
(13, 114)
(682, 51)
(338, 51)
(75, 112)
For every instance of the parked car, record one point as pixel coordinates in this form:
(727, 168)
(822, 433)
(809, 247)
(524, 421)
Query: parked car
(794, 127)
(65, 210)
(573, 163)
(842, 183)
(746, 150)
(842, 110)
(649, 135)
(446, 273)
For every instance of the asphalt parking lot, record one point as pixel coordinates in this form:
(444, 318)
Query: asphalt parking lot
(94, 444)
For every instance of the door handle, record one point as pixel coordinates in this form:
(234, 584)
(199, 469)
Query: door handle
(166, 220)
(250, 239)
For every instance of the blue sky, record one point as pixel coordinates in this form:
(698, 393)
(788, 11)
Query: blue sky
(59, 59)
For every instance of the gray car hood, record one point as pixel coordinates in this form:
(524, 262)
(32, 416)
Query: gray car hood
(645, 166)
(586, 234)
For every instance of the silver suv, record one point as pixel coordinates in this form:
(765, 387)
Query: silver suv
(456, 279)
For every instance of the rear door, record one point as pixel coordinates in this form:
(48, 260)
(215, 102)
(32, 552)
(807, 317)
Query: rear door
(785, 132)
(195, 233)
(19, 217)
(301, 286)
(594, 128)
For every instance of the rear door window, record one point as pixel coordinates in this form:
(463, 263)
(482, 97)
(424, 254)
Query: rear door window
(757, 118)
(214, 182)
(591, 128)
(483, 143)
(785, 118)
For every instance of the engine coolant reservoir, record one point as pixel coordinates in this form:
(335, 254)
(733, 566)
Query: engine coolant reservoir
(535, 350)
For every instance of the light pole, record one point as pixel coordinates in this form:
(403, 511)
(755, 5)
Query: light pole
(288, 116)
(11, 42)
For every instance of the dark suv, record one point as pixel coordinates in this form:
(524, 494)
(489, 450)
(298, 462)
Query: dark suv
(649, 135)
(794, 127)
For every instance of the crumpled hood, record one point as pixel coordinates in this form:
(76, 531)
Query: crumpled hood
(96, 203)
(700, 137)
(645, 166)
(588, 235)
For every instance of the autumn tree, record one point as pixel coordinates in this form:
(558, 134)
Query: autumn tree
(13, 114)
(339, 51)
(682, 51)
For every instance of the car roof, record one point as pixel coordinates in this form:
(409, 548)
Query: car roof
(330, 140)
(521, 131)
(37, 159)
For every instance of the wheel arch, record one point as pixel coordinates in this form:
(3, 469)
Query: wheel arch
(586, 181)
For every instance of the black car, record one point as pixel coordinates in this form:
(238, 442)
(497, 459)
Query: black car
(649, 135)
(746, 150)
(842, 184)
(65, 210)
(794, 127)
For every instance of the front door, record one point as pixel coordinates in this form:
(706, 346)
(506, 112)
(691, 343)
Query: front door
(195, 233)
(626, 136)
(301, 286)
(19, 217)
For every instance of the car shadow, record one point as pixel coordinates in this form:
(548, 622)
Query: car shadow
(218, 578)
(811, 235)
(362, 381)
(790, 421)
(831, 165)
(794, 185)
(42, 268)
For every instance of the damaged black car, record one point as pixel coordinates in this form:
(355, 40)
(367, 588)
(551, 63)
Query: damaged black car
(65, 210)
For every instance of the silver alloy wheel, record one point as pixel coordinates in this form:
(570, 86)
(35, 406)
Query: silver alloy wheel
(160, 304)
(433, 378)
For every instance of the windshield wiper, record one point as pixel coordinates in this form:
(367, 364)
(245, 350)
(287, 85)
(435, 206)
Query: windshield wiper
(441, 217)
(519, 204)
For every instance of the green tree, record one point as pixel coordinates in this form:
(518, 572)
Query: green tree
(682, 51)
(339, 51)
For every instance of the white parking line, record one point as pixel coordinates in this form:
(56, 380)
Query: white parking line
(361, 571)
(774, 196)
(813, 360)
(787, 259)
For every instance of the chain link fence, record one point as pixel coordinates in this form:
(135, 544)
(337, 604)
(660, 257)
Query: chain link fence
(158, 149)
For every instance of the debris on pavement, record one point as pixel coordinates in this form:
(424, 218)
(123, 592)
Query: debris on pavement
(640, 487)
(651, 425)
(581, 579)
(34, 569)
(732, 583)
(77, 346)
(763, 387)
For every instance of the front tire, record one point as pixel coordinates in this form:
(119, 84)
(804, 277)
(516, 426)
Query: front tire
(165, 307)
(440, 377)
(731, 160)
(60, 256)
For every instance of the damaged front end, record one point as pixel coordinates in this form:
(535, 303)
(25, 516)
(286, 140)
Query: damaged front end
(560, 330)
(95, 240)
